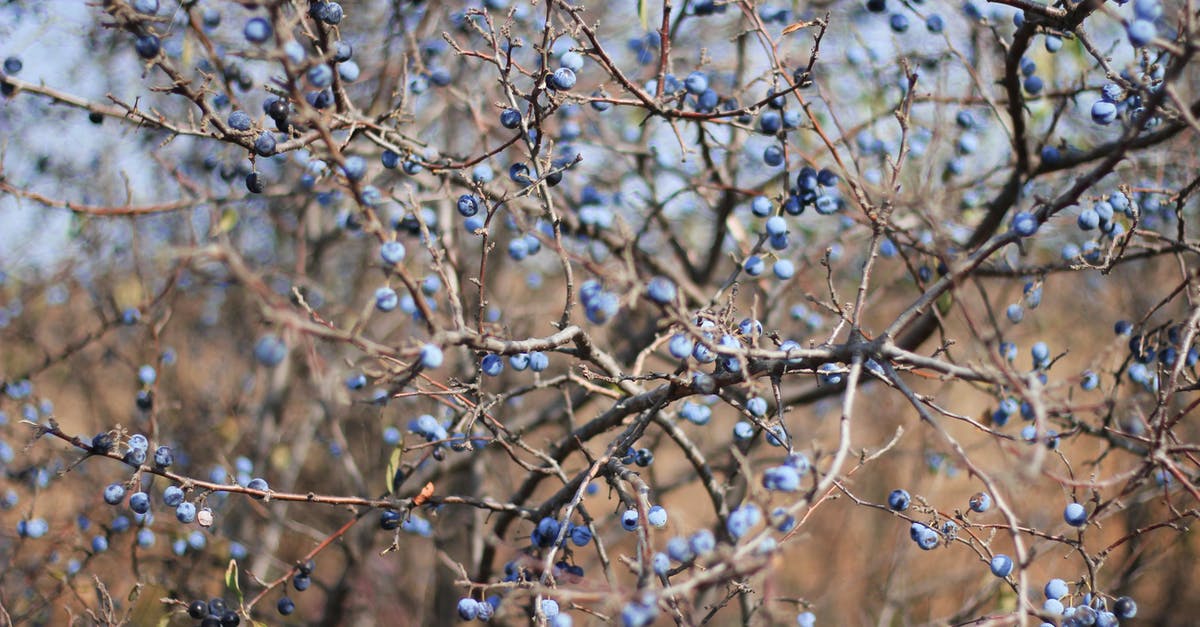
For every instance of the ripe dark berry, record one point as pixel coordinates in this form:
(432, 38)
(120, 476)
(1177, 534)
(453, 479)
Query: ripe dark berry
(264, 144)
(257, 30)
(102, 443)
(389, 520)
(1125, 608)
(144, 400)
(254, 183)
(277, 108)
(114, 493)
(197, 609)
(135, 457)
(510, 118)
(898, 500)
(147, 46)
(286, 606)
(330, 12)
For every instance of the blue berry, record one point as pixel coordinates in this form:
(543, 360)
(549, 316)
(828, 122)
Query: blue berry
(1040, 353)
(569, 59)
(776, 225)
(147, 46)
(468, 608)
(260, 484)
(240, 121)
(657, 516)
(770, 122)
(467, 205)
(562, 79)
(546, 532)
(784, 269)
(386, 299)
(163, 457)
(431, 356)
(99, 544)
(1075, 515)
(660, 564)
(680, 346)
(320, 76)
(147, 374)
(1141, 32)
(355, 168)
(923, 535)
(392, 252)
(114, 494)
(980, 502)
(257, 30)
(661, 290)
(679, 549)
(1104, 112)
(349, 71)
(1125, 608)
(757, 406)
(754, 265)
(1001, 565)
(629, 519)
(491, 365)
(389, 520)
(898, 500)
(580, 535)
(1024, 223)
(270, 351)
(264, 144)
(510, 118)
(773, 156)
(172, 496)
(702, 542)
(742, 520)
(356, 381)
(781, 478)
(696, 83)
(186, 513)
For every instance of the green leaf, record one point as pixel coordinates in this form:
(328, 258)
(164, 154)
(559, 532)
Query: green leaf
(393, 465)
(229, 219)
(644, 13)
(944, 302)
(231, 580)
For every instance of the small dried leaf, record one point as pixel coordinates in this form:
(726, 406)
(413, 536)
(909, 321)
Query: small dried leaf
(791, 28)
